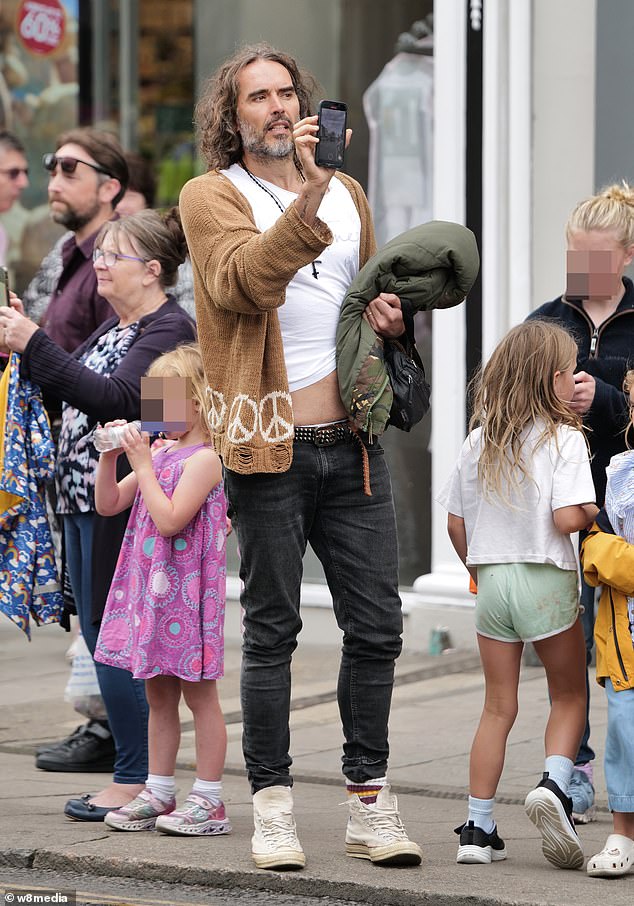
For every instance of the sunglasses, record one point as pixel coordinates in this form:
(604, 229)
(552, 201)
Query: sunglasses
(68, 165)
(14, 172)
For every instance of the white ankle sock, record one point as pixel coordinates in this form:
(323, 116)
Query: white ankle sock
(481, 813)
(560, 770)
(210, 789)
(164, 788)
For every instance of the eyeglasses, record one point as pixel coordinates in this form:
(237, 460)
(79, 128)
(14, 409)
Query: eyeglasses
(68, 165)
(110, 258)
(14, 172)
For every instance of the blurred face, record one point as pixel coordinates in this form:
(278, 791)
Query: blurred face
(266, 110)
(131, 203)
(565, 383)
(595, 262)
(121, 280)
(167, 405)
(13, 177)
(75, 198)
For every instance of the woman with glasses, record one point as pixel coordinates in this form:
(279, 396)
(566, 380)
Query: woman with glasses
(136, 261)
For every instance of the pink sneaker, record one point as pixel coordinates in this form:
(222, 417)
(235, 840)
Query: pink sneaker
(197, 816)
(140, 814)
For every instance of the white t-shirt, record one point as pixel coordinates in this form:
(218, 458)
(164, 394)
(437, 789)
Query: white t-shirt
(526, 532)
(309, 317)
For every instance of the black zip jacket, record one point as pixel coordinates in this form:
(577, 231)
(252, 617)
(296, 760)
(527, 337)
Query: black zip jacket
(606, 353)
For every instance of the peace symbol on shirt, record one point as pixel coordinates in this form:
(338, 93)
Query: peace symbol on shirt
(243, 419)
(217, 408)
(274, 425)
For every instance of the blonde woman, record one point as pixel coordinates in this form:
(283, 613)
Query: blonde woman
(598, 307)
(522, 484)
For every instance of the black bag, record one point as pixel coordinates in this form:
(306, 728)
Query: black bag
(407, 377)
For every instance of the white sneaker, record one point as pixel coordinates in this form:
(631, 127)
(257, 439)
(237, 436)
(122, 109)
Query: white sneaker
(615, 859)
(274, 844)
(376, 832)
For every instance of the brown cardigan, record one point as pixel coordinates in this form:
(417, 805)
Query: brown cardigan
(240, 279)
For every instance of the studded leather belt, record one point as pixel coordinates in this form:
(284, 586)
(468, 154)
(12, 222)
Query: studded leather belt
(324, 435)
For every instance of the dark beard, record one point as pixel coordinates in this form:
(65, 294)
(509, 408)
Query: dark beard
(72, 220)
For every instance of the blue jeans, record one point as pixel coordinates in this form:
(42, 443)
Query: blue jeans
(586, 752)
(124, 697)
(319, 501)
(619, 749)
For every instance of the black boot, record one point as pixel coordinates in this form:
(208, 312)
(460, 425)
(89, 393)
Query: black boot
(89, 748)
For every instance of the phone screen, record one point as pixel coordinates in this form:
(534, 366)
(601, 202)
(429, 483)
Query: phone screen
(4, 286)
(332, 136)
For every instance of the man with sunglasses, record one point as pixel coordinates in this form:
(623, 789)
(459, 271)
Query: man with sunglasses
(88, 175)
(14, 178)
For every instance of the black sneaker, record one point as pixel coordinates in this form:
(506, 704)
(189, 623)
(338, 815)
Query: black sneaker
(90, 748)
(52, 746)
(477, 847)
(550, 810)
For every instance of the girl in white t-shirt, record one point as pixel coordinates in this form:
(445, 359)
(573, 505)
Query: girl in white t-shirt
(522, 484)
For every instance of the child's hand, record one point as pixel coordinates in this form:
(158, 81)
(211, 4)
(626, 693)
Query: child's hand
(136, 446)
(115, 422)
(117, 451)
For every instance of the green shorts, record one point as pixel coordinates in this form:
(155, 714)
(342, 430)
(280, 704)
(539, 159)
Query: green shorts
(525, 601)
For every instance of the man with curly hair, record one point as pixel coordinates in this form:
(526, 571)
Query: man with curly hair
(275, 241)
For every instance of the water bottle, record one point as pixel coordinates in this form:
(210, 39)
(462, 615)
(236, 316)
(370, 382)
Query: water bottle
(105, 439)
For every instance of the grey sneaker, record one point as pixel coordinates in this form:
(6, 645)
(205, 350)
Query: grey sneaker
(582, 795)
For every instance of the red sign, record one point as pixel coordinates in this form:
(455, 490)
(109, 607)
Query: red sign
(41, 25)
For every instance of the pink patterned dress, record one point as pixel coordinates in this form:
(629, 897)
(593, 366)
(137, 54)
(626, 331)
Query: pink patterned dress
(165, 609)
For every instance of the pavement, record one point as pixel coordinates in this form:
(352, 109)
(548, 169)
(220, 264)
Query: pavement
(436, 706)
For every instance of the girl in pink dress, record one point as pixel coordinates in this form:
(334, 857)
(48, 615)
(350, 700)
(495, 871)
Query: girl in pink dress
(164, 616)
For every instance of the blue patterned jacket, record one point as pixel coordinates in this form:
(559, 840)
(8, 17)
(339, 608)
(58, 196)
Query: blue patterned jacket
(29, 583)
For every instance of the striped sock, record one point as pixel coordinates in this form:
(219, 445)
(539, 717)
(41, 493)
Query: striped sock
(367, 791)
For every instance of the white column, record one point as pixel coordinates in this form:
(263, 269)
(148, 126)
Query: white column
(506, 221)
(448, 581)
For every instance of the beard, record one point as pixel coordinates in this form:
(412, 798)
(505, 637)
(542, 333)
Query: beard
(275, 147)
(72, 219)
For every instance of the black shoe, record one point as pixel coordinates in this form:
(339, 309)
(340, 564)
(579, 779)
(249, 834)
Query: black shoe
(83, 810)
(477, 847)
(90, 748)
(550, 810)
(54, 746)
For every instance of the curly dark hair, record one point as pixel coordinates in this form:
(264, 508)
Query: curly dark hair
(215, 116)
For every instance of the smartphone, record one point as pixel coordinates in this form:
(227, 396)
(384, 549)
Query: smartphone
(332, 116)
(4, 286)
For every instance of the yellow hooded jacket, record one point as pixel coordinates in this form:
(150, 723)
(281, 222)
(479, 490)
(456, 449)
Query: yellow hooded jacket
(608, 560)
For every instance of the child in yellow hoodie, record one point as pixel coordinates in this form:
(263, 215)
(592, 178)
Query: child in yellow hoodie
(608, 560)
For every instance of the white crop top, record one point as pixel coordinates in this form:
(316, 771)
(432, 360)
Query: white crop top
(309, 316)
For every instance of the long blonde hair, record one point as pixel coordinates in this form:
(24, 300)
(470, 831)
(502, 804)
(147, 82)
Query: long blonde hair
(513, 391)
(185, 362)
